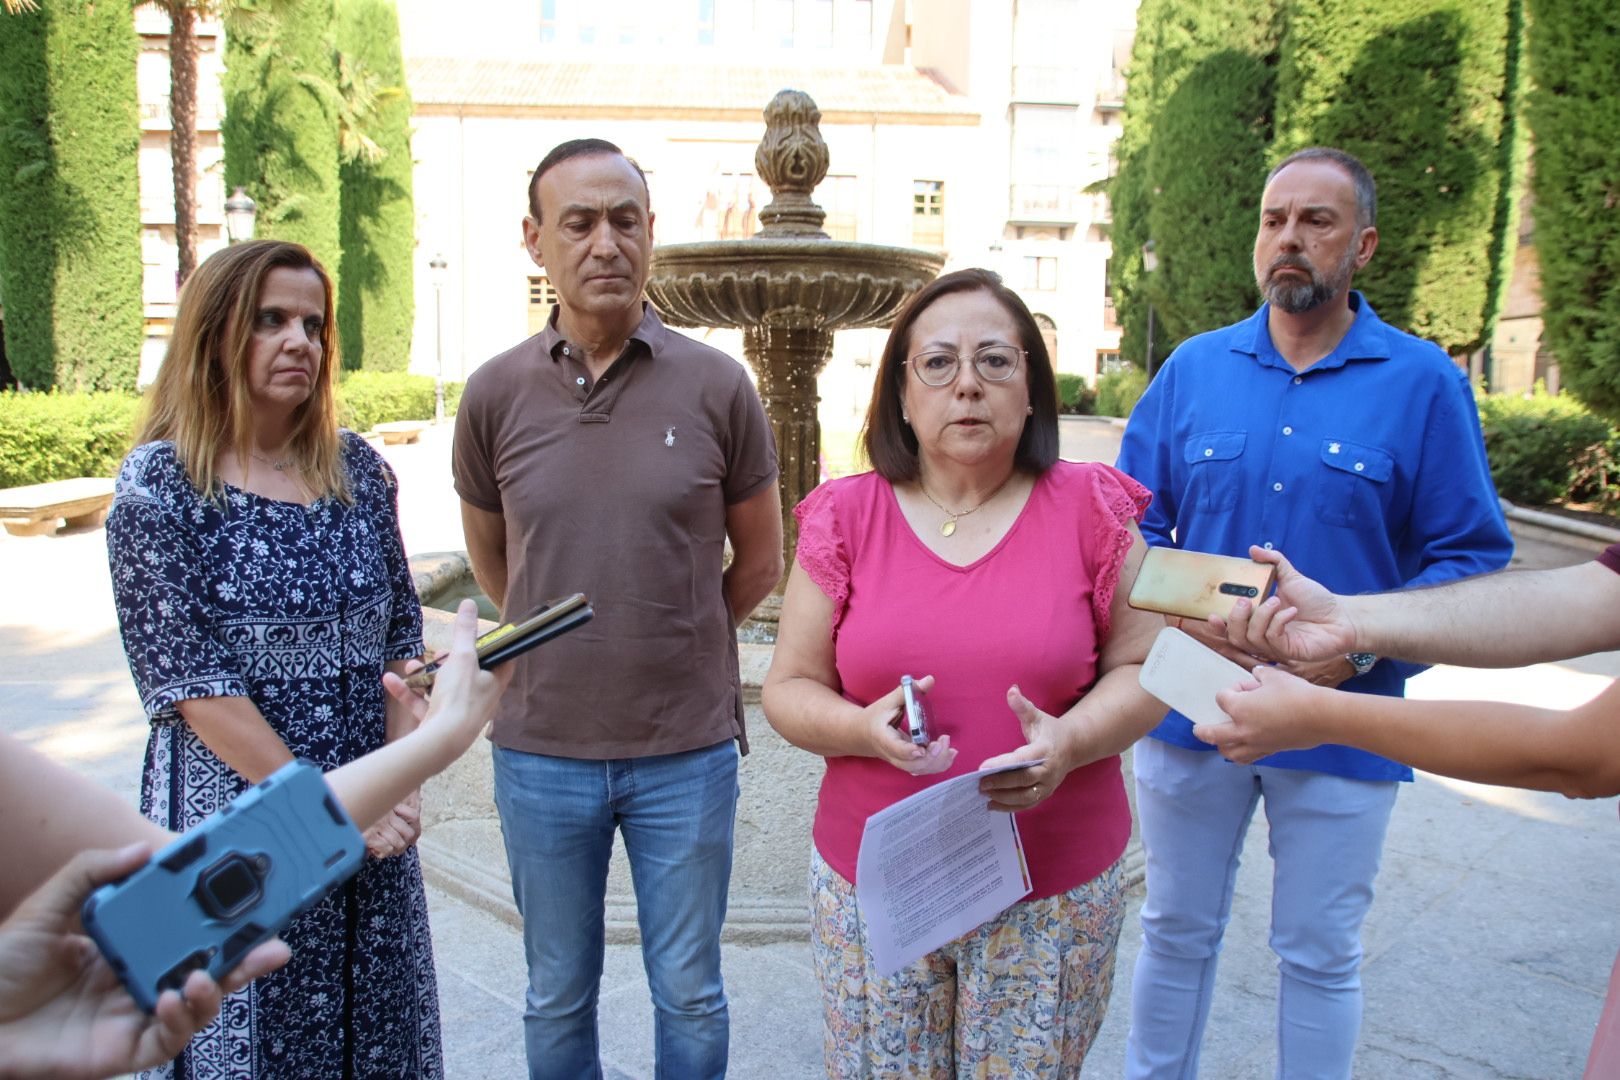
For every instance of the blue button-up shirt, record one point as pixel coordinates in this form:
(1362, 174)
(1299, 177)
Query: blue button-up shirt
(1368, 469)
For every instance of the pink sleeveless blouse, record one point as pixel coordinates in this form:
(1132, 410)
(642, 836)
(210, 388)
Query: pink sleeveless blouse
(1033, 611)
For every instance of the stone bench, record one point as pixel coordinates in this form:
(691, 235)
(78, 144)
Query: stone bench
(402, 431)
(39, 509)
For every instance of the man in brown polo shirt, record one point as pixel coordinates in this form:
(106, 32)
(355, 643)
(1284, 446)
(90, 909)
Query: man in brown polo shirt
(611, 456)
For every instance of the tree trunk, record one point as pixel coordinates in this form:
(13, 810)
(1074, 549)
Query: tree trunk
(183, 130)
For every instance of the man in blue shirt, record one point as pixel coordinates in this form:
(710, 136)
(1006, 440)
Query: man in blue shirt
(1314, 427)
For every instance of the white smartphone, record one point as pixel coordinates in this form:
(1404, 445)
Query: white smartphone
(1185, 676)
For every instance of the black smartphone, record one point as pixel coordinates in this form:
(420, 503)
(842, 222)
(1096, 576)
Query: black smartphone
(234, 881)
(516, 638)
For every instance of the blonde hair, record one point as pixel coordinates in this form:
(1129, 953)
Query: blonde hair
(201, 400)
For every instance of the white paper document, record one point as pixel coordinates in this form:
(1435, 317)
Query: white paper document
(934, 866)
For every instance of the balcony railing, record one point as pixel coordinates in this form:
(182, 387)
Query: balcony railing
(1041, 204)
(1046, 84)
(1111, 92)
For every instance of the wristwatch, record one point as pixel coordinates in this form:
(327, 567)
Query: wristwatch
(1362, 661)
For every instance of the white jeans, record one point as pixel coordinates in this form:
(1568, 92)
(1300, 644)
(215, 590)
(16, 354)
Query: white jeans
(1326, 836)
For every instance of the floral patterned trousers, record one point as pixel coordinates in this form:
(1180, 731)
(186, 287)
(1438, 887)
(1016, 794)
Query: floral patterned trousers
(1021, 996)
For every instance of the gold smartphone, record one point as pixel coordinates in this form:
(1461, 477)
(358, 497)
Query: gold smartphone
(1196, 584)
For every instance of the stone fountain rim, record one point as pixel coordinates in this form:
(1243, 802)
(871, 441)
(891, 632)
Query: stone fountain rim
(797, 247)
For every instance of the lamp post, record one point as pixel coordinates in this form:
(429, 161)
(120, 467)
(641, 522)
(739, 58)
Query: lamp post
(439, 272)
(1150, 263)
(240, 213)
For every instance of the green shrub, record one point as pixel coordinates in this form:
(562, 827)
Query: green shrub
(1118, 391)
(56, 436)
(1074, 396)
(369, 398)
(1546, 449)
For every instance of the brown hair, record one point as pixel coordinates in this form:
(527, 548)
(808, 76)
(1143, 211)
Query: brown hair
(888, 440)
(201, 399)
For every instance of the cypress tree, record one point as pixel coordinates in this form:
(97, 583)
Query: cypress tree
(280, 127)
(1417, 89)
(1574, 52)
(69, 196)
(1197, 130)
(378, 220)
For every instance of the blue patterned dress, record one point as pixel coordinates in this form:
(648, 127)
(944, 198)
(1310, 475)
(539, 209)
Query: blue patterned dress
(296, 608)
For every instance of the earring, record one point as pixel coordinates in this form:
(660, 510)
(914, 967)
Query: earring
(905, 419)
(1029, 410)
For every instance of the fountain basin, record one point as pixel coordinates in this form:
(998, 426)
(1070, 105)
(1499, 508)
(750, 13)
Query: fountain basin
(786, 281)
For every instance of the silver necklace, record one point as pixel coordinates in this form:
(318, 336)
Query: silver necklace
(278, 464)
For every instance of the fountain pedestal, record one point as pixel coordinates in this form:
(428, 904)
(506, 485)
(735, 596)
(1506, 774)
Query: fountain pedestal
(789, 289)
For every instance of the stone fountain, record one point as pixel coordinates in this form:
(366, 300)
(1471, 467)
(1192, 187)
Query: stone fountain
(788, 288)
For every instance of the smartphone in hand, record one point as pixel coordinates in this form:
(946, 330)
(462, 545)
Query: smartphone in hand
(916, 715)
(234, 881)
(1196, 584)
(516, 638)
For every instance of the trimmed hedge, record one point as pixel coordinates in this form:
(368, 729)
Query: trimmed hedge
(46, 437)
(1574, 51)
(1119, 391)
(369, 398)
(70, 224)
(377, 301)
(1417, 90)
(1546, 449)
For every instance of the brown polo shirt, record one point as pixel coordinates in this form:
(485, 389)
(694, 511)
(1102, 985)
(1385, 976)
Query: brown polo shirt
(617, 489)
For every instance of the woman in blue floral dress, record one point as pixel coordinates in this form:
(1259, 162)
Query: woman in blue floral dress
(262, 590)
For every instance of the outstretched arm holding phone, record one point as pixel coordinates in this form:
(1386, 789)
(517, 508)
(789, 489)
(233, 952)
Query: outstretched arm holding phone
(1504, 619)
(63, 1012)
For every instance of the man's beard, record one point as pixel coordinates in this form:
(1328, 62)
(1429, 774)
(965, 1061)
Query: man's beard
(1297, 297)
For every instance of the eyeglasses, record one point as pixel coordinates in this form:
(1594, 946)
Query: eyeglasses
(994, 363)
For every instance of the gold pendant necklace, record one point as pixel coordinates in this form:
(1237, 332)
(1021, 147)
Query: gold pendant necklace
(948, 526)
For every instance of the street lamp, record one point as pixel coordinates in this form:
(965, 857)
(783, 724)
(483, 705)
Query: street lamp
(240, 212)
(1150, 263)
(439, 273)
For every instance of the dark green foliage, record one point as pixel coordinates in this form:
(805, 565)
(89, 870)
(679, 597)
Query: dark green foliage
(1547, 449)
(1198, 115)
(1414, 88)
(377, 306)
(1119, 391)
(1074, 396)
(1575, 119)
(53, 436)
(69, 202)
(1422, 90)
(280, 127)
(369, 398)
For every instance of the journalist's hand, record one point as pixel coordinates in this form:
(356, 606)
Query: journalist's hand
(1301, 621)
(63, 1012)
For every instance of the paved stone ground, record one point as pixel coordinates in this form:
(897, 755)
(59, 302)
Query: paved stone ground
(1487, 949)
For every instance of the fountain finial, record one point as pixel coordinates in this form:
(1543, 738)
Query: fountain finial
(792, 159)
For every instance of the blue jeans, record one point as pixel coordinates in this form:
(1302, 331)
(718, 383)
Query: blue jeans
(677, 812)
(1327, 833)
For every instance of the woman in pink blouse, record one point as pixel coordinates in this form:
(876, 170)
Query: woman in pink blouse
(971, 556)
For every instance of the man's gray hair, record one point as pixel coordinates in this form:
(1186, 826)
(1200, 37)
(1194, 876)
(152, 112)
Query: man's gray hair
(1366, 190)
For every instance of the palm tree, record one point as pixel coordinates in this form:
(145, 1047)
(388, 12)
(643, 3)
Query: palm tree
(183, 123)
